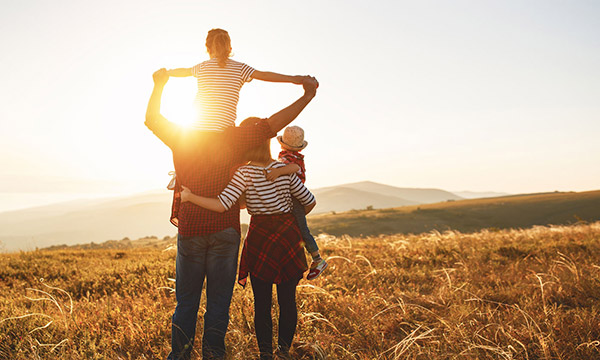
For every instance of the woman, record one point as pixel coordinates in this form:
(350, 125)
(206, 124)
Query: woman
(273, 252)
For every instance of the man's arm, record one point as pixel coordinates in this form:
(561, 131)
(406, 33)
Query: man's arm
(282, 118)
(166, 131)
(180, 72)
(275, 77)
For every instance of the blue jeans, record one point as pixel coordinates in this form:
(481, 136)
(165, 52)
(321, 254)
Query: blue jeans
(300, 215)
(213, 257)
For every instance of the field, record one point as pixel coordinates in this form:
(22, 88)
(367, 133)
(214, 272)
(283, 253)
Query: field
(494, 294)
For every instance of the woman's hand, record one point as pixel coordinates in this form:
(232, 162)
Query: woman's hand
(185, 194)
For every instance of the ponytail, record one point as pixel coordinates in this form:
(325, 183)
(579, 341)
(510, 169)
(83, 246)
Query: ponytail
(218, 45)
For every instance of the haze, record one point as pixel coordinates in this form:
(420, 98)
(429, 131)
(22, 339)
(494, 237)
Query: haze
(463, 95)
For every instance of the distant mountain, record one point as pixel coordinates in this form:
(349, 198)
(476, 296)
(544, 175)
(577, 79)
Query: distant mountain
(341, 198)
(380, 195)
(147, 214)
(82, 222)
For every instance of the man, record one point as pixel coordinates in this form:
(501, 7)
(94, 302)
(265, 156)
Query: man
(208, 242)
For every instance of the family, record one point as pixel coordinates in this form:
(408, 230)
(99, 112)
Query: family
(219, 169)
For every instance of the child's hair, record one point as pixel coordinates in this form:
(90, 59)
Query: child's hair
(261, 152)
(218, 45)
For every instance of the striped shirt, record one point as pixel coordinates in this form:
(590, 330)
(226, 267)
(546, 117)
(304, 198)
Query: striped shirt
(218, 93)
(264, 197)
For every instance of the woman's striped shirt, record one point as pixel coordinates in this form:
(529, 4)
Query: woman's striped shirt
(264, 197)
(218, 93)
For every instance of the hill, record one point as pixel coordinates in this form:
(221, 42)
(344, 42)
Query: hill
(341, 198)
(79, 222)
(517, 211)
(147, 214)
(479, 194)
(507, 294)
(370, 193)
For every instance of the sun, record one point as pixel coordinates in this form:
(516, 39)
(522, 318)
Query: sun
(177, 103)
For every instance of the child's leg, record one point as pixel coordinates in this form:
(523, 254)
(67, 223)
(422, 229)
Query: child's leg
(309, 240)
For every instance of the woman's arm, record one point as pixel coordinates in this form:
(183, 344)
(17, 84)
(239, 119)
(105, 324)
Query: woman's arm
(275, 77)
(308, 208)
(211, 204)
(300, 192)
(224, 201)
(180, 72)
(242, 201)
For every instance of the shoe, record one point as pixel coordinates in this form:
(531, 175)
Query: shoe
(316, 268)
(283, 353)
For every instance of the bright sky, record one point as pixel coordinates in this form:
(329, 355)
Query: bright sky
(460, 95)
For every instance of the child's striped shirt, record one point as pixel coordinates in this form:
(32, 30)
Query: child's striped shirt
(218, 93)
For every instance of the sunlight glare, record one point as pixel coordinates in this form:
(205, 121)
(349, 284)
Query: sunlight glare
(178, 100)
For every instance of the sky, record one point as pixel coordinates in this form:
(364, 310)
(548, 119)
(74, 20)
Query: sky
(462, 95)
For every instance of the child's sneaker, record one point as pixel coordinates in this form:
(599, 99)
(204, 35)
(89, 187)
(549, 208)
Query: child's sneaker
(316, 268)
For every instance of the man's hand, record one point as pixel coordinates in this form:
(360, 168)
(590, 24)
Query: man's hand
(160, 77)
(285, 116)
(310, 85)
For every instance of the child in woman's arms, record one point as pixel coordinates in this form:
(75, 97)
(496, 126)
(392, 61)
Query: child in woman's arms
(292, 142)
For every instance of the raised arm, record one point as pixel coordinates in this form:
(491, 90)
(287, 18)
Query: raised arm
(180, 72)
(275, 77)
(160, 126)
(282, 118)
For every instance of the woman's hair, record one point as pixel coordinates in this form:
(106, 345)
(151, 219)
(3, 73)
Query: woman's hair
(218, 45)
(259, 153)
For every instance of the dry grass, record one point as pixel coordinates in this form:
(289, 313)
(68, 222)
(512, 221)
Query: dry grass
(509, 294)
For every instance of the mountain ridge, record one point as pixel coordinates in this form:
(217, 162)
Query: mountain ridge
(147, 214)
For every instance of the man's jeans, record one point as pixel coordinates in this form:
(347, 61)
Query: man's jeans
(215, 257)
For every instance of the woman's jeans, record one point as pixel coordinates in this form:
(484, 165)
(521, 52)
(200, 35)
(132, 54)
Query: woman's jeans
(213, 257)
(263, 323)
(300, 215)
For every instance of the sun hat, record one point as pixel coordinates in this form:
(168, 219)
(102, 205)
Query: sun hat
(293, 138)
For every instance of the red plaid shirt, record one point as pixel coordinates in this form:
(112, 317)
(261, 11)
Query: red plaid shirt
(205, 162)
(273, 250)
(294, 157)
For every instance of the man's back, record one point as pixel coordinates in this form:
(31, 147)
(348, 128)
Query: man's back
(205, 162)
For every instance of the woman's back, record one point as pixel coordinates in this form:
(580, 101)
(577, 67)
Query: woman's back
(264, 197)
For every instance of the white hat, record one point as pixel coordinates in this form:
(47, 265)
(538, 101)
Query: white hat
(293, 138)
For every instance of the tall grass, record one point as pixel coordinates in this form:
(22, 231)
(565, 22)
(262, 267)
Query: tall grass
(508, 294)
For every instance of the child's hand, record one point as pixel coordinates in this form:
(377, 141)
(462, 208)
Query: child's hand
(185, 194)
(310, 85)
(160, 76)
(272, 174)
